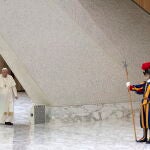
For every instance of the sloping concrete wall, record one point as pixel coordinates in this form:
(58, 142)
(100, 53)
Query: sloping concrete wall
(74, 49)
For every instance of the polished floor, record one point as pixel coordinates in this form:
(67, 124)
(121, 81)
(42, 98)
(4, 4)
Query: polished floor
(106, 135)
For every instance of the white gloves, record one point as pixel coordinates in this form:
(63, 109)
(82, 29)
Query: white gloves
(128, 84)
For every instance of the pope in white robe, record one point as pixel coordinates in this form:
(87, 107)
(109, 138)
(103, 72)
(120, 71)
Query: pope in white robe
(7, 94)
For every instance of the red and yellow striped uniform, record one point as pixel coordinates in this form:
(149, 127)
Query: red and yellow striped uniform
(144, 89)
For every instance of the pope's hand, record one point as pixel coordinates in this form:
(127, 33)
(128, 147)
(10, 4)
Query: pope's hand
(128, 84)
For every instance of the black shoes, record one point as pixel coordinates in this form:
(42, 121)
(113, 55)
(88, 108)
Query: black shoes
(144, 139)
(148, 141)
(8, 123)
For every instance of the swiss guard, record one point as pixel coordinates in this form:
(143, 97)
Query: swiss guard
(144, 89)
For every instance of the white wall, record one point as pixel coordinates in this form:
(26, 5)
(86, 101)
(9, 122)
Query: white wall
(72, 50)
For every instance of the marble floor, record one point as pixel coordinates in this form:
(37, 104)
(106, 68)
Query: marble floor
(105, 135)
(22, 107)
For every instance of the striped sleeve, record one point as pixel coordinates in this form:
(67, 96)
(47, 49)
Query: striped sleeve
(139, 88)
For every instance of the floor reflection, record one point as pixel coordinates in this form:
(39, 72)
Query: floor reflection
(21, 137)
(22, 107)
(105, 135)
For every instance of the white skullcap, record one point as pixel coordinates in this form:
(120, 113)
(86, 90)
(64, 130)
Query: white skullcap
(4, 69)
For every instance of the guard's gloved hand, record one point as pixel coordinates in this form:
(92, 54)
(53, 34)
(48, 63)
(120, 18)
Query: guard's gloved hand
(128, 84)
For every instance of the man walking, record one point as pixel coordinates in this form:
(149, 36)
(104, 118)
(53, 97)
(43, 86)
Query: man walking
(7, 94)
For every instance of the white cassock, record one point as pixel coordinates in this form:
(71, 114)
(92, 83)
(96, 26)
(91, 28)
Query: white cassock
(7, 93)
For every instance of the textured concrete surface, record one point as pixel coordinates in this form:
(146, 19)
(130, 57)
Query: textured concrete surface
(73, 49)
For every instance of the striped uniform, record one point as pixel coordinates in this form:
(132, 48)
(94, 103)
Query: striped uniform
(144, 89)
